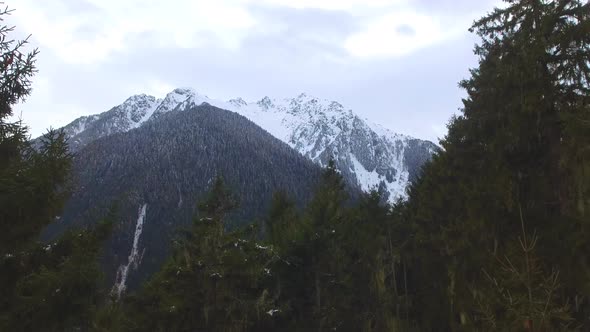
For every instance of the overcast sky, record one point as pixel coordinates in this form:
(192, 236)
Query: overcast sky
(395, 62)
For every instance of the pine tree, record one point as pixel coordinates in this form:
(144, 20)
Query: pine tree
(369, 297)
(27, 177)
(317, 257)
(49, 287)
(16, 69)
(55, 286)
(520, 293)
(214, 281)
(283, 224)
(512, 151)
(534, 63)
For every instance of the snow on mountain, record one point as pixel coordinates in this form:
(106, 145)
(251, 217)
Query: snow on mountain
(129, 115)
(367, 154)
(134, 256)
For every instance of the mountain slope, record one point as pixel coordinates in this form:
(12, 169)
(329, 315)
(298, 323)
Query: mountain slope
(156, 173)
(368, 155)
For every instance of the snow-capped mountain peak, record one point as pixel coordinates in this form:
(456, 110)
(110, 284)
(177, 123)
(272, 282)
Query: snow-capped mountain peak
(138, 109)
(177, 97)
(238, 102)
(368, 155)
(265, 103)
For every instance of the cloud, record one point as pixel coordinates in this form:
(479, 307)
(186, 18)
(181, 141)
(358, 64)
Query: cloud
(378, 57)
(346, 5)
(300, 35)
(90, 32)
(404, 31)
(155, 87)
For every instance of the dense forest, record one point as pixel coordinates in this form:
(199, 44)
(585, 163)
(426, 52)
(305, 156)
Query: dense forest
(168, 165)
(494, 235)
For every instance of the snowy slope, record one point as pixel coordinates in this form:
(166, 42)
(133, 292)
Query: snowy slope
(134, 256)
(367, 154)
(129, 115)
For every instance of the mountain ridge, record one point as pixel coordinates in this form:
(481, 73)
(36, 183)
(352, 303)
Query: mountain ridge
(367, 154)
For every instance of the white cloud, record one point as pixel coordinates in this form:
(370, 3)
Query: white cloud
(113, 23)
(91, 36)
(38, 116)
(155, 87)
(400, 33)
(439, 130)
(57, 33)
(95, 53)
(347, 5)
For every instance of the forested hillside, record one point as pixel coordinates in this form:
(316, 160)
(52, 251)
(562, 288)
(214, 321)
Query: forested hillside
(168, 166)
(494, 234)
(501, 216)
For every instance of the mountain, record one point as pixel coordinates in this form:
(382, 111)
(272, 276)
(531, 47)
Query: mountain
(154, 176)
(155, 158)
(368, 155)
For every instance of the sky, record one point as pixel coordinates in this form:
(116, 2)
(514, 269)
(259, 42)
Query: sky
(395, 62)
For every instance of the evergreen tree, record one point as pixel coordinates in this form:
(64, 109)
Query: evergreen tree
(51, 287)
(520, 294)
(56, 286)
(283, 224)
(214, 281)
(16, 69)
(369, 296)
(512, 154)
(28, 178)
(309, 271)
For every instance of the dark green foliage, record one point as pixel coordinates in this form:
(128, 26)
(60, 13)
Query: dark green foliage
(520, 294)
(218, 201)
(36, 178)
(283, 224)
(311, 277)
(328, 266)
(493, 237)
(43, 287)
(23, 178)
(511, 156)
(214, 281)
(16, 69)
(172, 163)
(53, 287)
(370, 266)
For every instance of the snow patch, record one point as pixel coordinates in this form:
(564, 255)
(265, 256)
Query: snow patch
(147, 115)
(80, 128)
(369, 180)
(261, 247)
(134, 256)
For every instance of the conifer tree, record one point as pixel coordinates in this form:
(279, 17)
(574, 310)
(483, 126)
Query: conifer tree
(55, 286)
(510, 154)
(28, 178)
(214, 281)
(283, 223)
(317, 256)
(369, 297)
(534, 64)
(43, 287)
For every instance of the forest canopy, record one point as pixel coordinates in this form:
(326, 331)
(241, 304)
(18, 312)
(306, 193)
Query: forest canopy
(494, 235)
